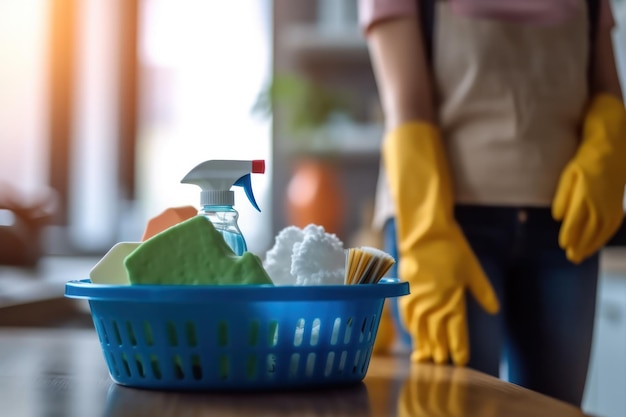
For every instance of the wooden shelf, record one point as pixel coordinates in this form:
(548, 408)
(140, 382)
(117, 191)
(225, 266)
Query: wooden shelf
(307, 41)
(333, 52)
(344, 141)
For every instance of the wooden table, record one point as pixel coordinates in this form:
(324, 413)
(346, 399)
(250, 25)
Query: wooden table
(58, 372)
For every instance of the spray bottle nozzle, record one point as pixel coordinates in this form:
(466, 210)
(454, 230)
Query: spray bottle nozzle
(246, 183)
(216, 177)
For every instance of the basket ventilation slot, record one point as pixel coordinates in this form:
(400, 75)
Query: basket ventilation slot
(182, 367)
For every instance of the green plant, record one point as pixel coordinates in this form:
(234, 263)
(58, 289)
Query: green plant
(306, 104)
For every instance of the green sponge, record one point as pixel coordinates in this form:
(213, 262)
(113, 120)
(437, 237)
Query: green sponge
(192, 253)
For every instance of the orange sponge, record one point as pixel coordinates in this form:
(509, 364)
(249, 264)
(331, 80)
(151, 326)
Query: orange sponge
(168, 218)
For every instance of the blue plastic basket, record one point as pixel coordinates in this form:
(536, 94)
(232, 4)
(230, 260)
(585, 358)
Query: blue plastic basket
(236, 337)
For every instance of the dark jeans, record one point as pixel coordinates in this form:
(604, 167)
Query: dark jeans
(544, 330)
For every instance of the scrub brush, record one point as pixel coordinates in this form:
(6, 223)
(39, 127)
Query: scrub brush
(366, 265)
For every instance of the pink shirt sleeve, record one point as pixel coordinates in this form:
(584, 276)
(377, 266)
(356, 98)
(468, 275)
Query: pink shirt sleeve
(374, 11)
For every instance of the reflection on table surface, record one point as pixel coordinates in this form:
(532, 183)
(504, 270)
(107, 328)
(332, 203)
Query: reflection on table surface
(62, 373)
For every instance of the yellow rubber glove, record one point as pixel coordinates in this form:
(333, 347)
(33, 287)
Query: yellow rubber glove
(435, 258)
(589, 197)
(386, 334)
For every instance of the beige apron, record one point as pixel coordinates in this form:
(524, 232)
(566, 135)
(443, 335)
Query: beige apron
(511, 98)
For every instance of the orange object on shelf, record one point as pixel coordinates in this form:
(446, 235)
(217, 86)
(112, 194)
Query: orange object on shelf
(168, 218)
(314, 195)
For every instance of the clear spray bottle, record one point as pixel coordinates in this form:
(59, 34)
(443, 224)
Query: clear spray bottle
(216, 178)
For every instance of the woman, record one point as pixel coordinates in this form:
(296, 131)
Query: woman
(503, 175)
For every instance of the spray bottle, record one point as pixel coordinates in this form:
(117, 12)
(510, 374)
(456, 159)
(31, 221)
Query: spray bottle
(216, 177)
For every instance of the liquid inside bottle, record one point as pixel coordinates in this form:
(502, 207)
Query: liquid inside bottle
(224, 219)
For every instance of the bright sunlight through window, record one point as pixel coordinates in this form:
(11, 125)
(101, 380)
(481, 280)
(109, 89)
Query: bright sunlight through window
(203, 63)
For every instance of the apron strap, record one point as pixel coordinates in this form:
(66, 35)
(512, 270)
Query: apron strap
(426, 9)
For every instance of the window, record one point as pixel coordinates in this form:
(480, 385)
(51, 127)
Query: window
(203, 64)
(111, 102)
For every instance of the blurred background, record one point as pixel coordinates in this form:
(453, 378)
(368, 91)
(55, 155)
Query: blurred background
(111, 103)
(106, 104)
